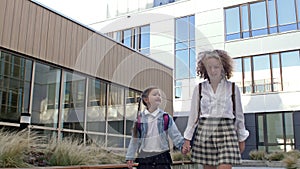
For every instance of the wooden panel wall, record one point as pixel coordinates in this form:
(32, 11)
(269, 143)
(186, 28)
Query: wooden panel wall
(33, 30)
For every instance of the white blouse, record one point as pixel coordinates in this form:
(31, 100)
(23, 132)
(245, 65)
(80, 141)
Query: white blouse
(152, 140)
(216, 105)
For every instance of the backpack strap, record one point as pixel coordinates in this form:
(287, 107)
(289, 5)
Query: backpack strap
(199, 106)
(233, 98)
(166, 121)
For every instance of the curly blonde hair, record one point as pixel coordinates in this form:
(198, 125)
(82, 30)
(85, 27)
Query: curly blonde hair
(224, 58)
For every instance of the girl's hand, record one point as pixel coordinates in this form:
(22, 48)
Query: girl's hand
(186, 147)
(242, 146)
(130, 164)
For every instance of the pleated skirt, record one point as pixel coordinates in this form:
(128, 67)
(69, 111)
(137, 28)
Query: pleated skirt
(216, 142)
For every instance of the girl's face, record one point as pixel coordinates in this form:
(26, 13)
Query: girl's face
(214, 68)
(154, 99)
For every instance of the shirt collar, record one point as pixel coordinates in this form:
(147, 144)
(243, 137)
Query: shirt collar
(154, 114)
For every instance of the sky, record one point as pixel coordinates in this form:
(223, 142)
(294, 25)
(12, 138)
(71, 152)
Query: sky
(83, 11)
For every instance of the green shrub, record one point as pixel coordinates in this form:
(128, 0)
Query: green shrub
(257, 155)
(178, 156)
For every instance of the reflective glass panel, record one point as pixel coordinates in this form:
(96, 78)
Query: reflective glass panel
(286, 15)
(262, 74)
(276, 72)
(245, 21)
(274, 128)
(258, 17)
(131, 108)
(272, 16)
(182, 64)
(290, 64)
(238, 74)
(232, 19)
(145, 40)
(73, 101)
(115, 112)
(96, 108)
(247, 75)
(15, 77)
(127, 34)
(45, 99)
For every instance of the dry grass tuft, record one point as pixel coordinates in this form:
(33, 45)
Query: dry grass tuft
(13, 146)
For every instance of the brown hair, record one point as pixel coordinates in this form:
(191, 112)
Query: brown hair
(144, 95)
(224, 58)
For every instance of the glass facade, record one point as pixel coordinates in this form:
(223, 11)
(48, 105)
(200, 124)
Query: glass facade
(65, 103)
(185, 55)
(261, 18)
(268, 72)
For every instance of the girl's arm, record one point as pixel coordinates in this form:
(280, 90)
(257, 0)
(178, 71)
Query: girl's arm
(175, 134)
(239, 115)
(132, 148)
(193, 115)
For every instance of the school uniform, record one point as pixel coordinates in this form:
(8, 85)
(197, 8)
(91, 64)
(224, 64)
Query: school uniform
(219, 129)
(152, 143)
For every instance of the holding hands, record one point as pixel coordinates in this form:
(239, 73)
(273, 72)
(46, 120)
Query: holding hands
(186, 147)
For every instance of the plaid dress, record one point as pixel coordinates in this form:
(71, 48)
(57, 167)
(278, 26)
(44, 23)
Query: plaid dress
(216, 142)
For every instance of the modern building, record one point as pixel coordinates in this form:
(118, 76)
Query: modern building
(262, 36)
(61, 78)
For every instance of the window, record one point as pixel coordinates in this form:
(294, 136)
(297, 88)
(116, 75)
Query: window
(115, 116)
(258, 19)
(268, 72)
(261, 74)
(290, 65)
(15, 77)
(261, 18)
(144, 40)
(46, 95)
(272, 16)
(73, 101)
(137, 38)
(96, 108)
(286, 15)
(275, 132)
(232, 23)
(185, 56)
(127, 40)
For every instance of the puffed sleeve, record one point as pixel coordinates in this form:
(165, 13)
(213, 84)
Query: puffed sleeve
(240, 119)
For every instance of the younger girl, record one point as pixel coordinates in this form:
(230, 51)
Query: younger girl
(150, 137)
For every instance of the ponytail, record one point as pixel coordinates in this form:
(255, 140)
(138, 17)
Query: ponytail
(138, 120)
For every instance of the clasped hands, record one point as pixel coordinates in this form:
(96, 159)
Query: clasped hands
(186, 147)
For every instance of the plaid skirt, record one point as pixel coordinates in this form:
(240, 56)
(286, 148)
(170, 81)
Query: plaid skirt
(216, 142)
